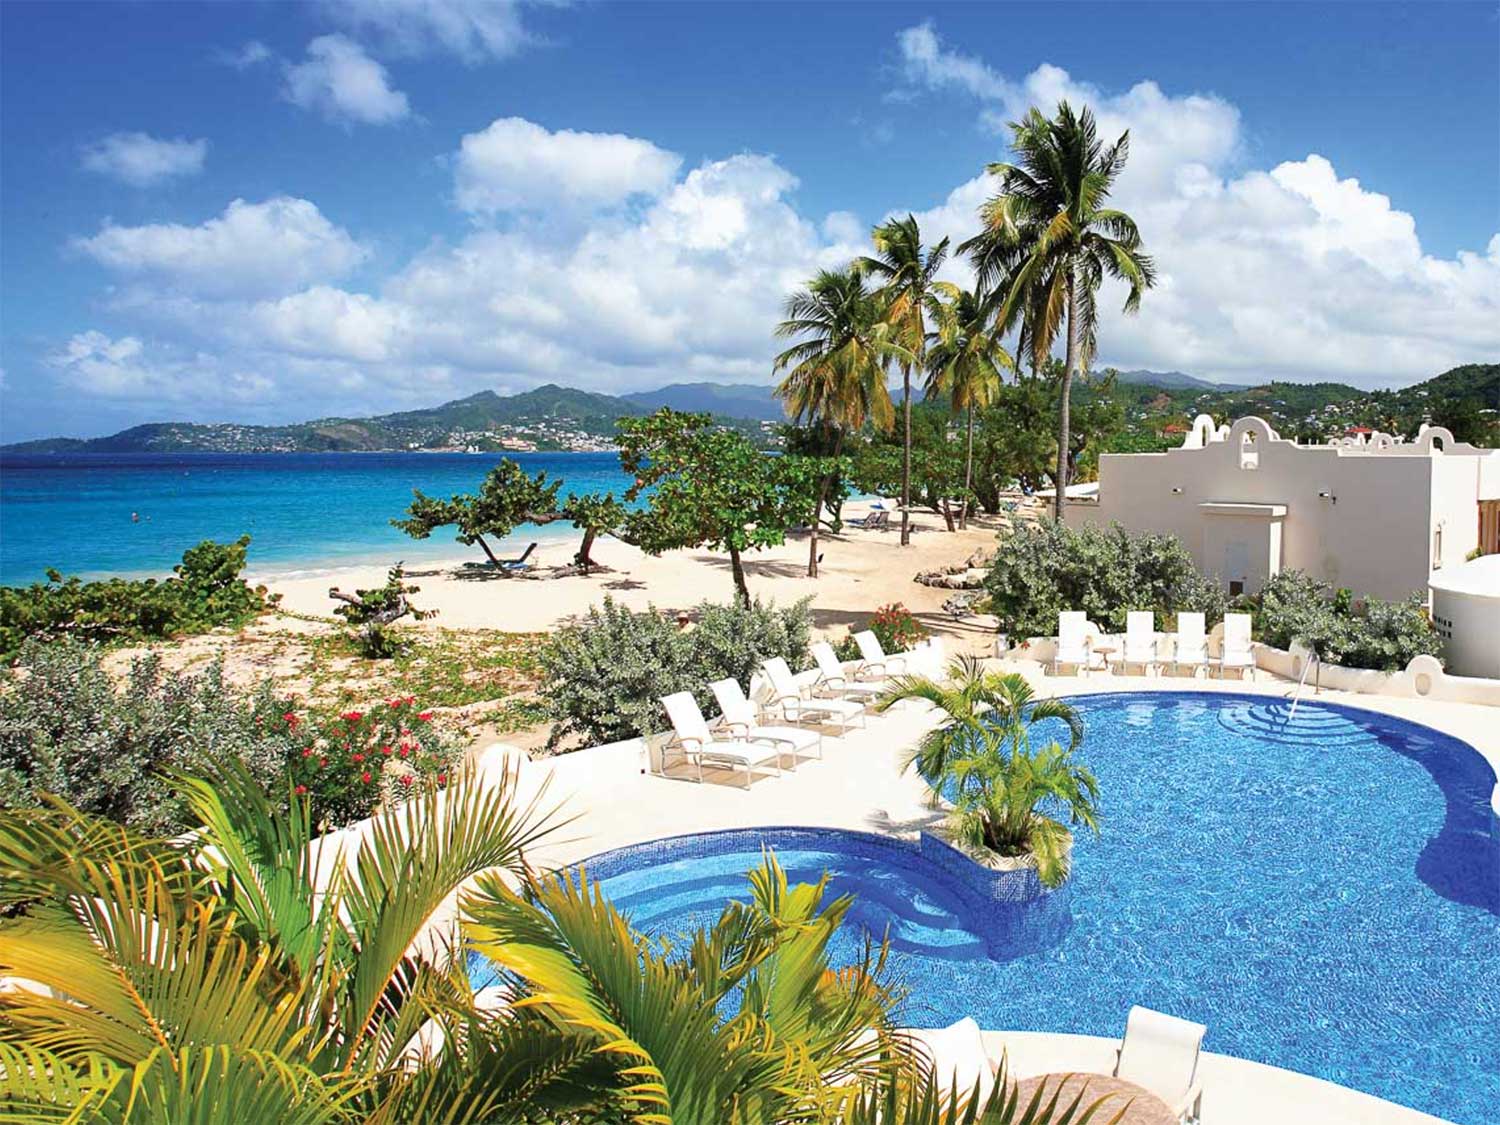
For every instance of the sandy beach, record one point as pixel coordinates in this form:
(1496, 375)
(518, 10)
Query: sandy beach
(861, 570)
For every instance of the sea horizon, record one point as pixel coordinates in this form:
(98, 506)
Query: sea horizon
(132, 515)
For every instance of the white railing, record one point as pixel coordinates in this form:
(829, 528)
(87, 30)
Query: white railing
(1312, 660)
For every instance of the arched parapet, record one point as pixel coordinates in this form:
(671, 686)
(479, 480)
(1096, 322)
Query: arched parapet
(1434, 439)
(1250, 424)
(1201, 433)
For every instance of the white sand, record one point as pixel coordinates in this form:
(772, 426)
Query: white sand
(861, 571)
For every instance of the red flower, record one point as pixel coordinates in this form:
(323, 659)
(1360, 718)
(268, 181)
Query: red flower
(406, 779)
(352, 716)
(301, 789)
(307, 753)
(358, 757)
(425, 716)
(404, 751)
(386, 750)
(322, 761)
(442, 779)
(365, 777)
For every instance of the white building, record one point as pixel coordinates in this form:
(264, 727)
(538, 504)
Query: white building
(1375, 514)
(1466, 611)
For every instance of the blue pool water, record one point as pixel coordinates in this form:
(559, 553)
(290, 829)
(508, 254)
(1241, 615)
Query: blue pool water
(1324, 894)
(73, 511)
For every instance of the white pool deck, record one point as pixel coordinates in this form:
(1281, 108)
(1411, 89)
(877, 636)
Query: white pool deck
(860, 785)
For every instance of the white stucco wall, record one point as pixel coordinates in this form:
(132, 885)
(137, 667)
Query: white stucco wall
(1466, 610)
(1356, 516)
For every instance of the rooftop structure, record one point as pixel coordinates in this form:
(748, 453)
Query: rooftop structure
(1371, 512)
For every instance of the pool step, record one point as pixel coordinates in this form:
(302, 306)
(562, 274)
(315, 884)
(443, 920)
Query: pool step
(1310, 726)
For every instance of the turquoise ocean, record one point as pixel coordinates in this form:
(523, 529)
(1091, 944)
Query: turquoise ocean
(303, 511)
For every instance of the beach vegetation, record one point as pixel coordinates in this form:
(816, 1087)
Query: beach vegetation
(895, 627)
(507, 498)
(594, 515)
(291, 990)
(604, 676)
(707, 486)
(348, 762)
(1040, 571)
(374, 612)
(1048, 242)
(206, 591)
(1358, 632)
(932, 469)
(107, 745)
(981, 759)
(833, 375)
(905, 272)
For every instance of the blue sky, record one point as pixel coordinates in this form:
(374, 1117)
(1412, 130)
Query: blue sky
(439, 198)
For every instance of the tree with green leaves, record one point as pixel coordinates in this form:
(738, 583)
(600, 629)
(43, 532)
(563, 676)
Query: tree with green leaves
(1049, 240)
(905, 272)
(966, 363)
(373, 612)
(594, 515)
(981, 759)
(709, 487)
(934, 465)
(834, 374)
(507, 498)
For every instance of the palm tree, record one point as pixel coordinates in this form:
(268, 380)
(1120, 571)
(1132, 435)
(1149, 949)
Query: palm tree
(1048, 241)
(835, 372)
(981, 759)
(966, 362)
(906, 272)
(245, 973)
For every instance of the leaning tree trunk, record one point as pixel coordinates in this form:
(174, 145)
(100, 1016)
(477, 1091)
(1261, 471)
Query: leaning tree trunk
(1064, 436)
(963, 515)
(584, 559)
(737, 568)
(480, 539)
(906, 459)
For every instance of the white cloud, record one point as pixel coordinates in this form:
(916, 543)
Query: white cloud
(142, 160)
(252, 54)
(471, 29)
(516, 164)
(251, 249)
(1287, 273)
(341, 82)
(121, 369)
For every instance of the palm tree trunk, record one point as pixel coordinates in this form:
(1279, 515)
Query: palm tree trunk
(906, 459)
(1064, 436)
(963, 516)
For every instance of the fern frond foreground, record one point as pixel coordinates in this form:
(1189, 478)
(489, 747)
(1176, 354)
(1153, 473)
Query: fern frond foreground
(250, 972)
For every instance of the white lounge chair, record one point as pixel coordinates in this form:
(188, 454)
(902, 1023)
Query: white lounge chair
(795, 705)
(739, 717)
(1160, 1053)
(873, 659)
(957, 1056)
(1236, 653)
(1073, 643)
(699, 745)
(832, 676)
(1139, 646)
(1190, 645)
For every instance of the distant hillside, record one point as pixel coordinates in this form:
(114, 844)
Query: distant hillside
(733, 400)
(1174, 380)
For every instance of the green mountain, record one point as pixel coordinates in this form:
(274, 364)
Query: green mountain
(731, 400)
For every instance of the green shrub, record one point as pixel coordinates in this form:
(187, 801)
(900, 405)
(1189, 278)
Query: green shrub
(604, 676)
(1042, 570)
(205, 592)
(67, 729)
(894, 626)
(1358, 633)
(375, 612)
(348, 763)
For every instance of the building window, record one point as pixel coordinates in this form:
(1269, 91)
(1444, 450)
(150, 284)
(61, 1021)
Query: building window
(1437, 548)
(1236, 587)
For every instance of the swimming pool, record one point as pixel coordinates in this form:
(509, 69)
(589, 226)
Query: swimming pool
(1323, 893)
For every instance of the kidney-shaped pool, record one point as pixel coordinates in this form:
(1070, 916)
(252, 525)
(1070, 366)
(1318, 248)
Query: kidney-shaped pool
(1323, 892)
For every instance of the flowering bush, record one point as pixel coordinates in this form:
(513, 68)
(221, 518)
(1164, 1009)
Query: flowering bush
(350, 762)
(894, 626)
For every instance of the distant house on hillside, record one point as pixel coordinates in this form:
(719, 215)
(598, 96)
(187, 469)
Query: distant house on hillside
(1371, 512)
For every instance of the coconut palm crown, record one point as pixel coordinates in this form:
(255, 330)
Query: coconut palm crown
(1049, 240)
(981, 758)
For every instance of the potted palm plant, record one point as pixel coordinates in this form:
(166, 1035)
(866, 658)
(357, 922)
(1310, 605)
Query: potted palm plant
(1004, 792)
